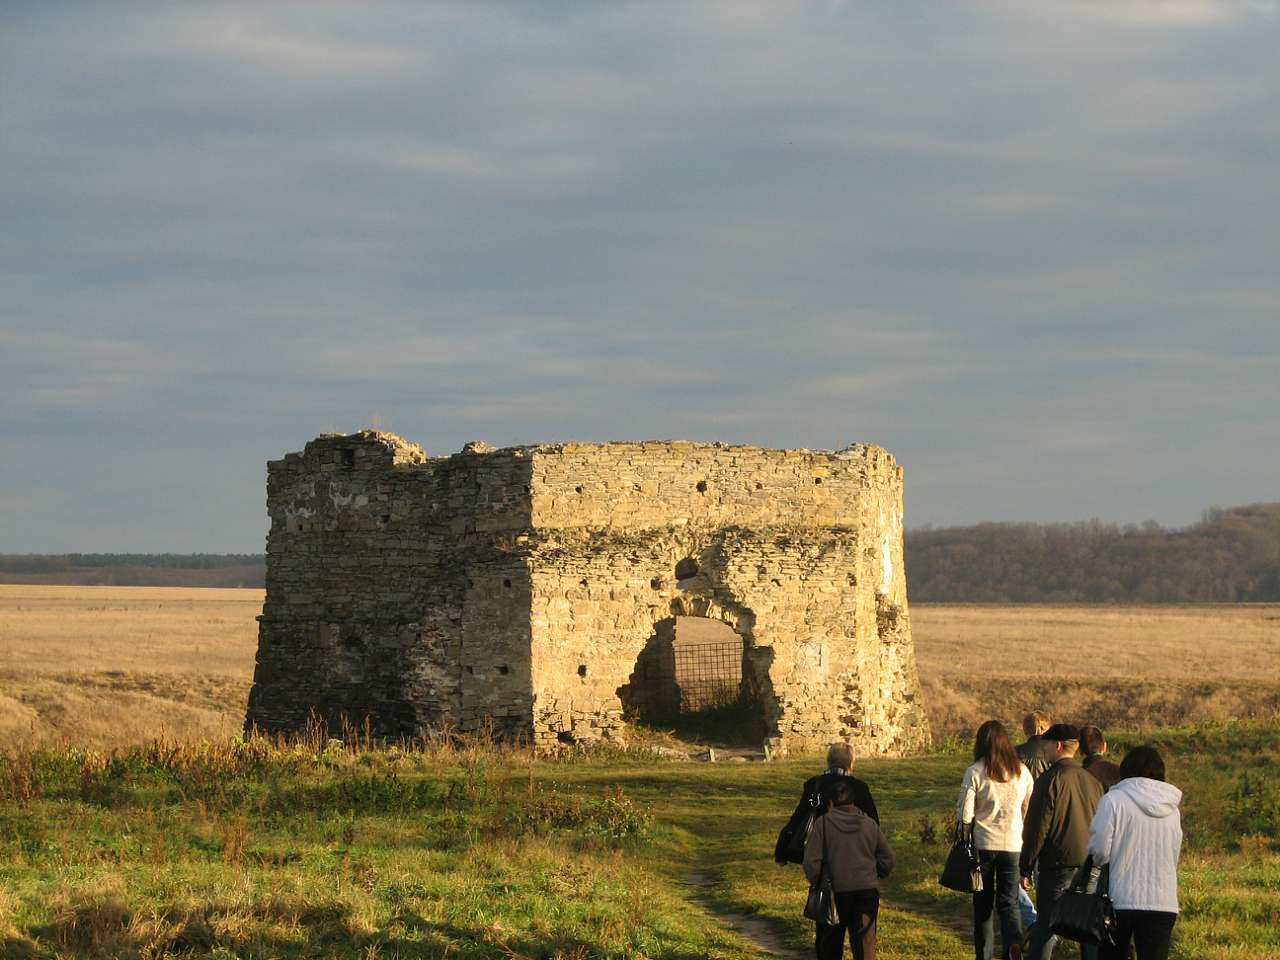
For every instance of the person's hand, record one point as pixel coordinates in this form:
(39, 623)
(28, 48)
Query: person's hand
(1026, 884)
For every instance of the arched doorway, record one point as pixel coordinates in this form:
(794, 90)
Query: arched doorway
(690, 679)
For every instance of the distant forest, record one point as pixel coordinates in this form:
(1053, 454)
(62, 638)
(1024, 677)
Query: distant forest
(136, 569)
(1232, 555)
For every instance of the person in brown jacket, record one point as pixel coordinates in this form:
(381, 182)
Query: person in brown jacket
(1055, 833)
(855, 854)
(1094, 745)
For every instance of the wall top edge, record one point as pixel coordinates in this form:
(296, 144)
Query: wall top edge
(405, 451)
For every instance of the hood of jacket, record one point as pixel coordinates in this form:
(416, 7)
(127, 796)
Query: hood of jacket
(846, 819)
(1155, 798)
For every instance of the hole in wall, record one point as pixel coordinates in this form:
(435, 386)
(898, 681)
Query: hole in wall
(702, 486)
(506, 583)
(504, 669)
(686, 568)
(759, 486)
(692, 677)
(817, 481)
(349, 458)
(353, 642)
(386, 518)
(656, 583)
(564, 736)
(582, 669)
(577, 489)
(471, 670)
(582, 583)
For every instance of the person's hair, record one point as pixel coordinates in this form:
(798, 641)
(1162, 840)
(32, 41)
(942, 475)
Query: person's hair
(1142, 762)
(992, 744)
(840, 755)
(1091, 739)
(1035, 723)
(842, 794)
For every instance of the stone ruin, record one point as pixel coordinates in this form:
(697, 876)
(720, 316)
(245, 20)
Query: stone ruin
(559, 591)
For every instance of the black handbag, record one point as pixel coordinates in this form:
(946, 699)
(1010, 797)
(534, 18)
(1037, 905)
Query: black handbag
(1084, 912)
(820, 904)
(961, 871)
(793, 836)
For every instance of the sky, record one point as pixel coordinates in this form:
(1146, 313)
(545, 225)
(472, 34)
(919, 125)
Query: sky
(1031, 248)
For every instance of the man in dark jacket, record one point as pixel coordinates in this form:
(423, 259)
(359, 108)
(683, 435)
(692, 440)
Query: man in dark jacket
(1094, 745)
(1055, 833)
(1037, 753)
(848, 846)
(815, 798)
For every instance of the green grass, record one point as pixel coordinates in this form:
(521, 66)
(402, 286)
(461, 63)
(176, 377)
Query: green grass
(255, 851)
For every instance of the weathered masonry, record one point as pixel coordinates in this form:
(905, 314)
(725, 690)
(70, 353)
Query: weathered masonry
(558, 591)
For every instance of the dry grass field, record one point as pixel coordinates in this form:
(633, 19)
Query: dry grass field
(108, 666)
(1117, 666)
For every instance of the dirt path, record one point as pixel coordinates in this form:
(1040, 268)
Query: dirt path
(754, 930)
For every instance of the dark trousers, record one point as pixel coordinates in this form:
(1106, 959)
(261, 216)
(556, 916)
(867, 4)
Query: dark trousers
(857, 910)
(1150, 931)
(999, 896)
(1050, 886)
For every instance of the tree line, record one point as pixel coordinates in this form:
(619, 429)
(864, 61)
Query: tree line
(136, 569)
(1232, 555)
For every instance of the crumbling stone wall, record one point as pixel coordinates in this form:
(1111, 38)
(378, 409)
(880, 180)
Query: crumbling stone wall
(520, 586)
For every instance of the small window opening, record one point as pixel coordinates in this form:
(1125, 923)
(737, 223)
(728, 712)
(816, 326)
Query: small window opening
(582, 669)
(564, 736)
(577, 489)
(471, 670)
(349, 458)
(702, 486)
(582, 583)
(817, 481)
(656, 583)
(506, 583)
(759, 486)
(386, 518)
(504, 669)
(686, 568)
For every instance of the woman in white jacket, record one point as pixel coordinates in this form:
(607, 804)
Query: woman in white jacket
(1137, 829)
(993, 797)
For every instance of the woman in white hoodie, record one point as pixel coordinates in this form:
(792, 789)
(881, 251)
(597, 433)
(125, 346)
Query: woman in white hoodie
(993, 798)
(1137, 829)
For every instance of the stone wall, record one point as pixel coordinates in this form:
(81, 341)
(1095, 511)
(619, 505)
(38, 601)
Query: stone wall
(523, 584)
(388, 596)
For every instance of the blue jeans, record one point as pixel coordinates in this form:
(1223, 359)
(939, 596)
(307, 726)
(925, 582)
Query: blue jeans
(999, 895)
(1026, 908)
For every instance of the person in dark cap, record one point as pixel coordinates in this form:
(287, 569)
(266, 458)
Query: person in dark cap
(1055, 833)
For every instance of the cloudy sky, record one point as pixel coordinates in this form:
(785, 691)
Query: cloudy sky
(1030, 248)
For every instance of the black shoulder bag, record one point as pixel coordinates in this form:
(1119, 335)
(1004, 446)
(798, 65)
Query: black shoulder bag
(820, 905)
(793, 836)
(961, 872)
(1084, 913)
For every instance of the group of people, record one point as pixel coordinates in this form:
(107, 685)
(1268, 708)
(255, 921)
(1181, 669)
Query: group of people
(1038, 812)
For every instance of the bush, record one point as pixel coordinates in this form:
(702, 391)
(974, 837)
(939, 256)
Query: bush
(1254, 807)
